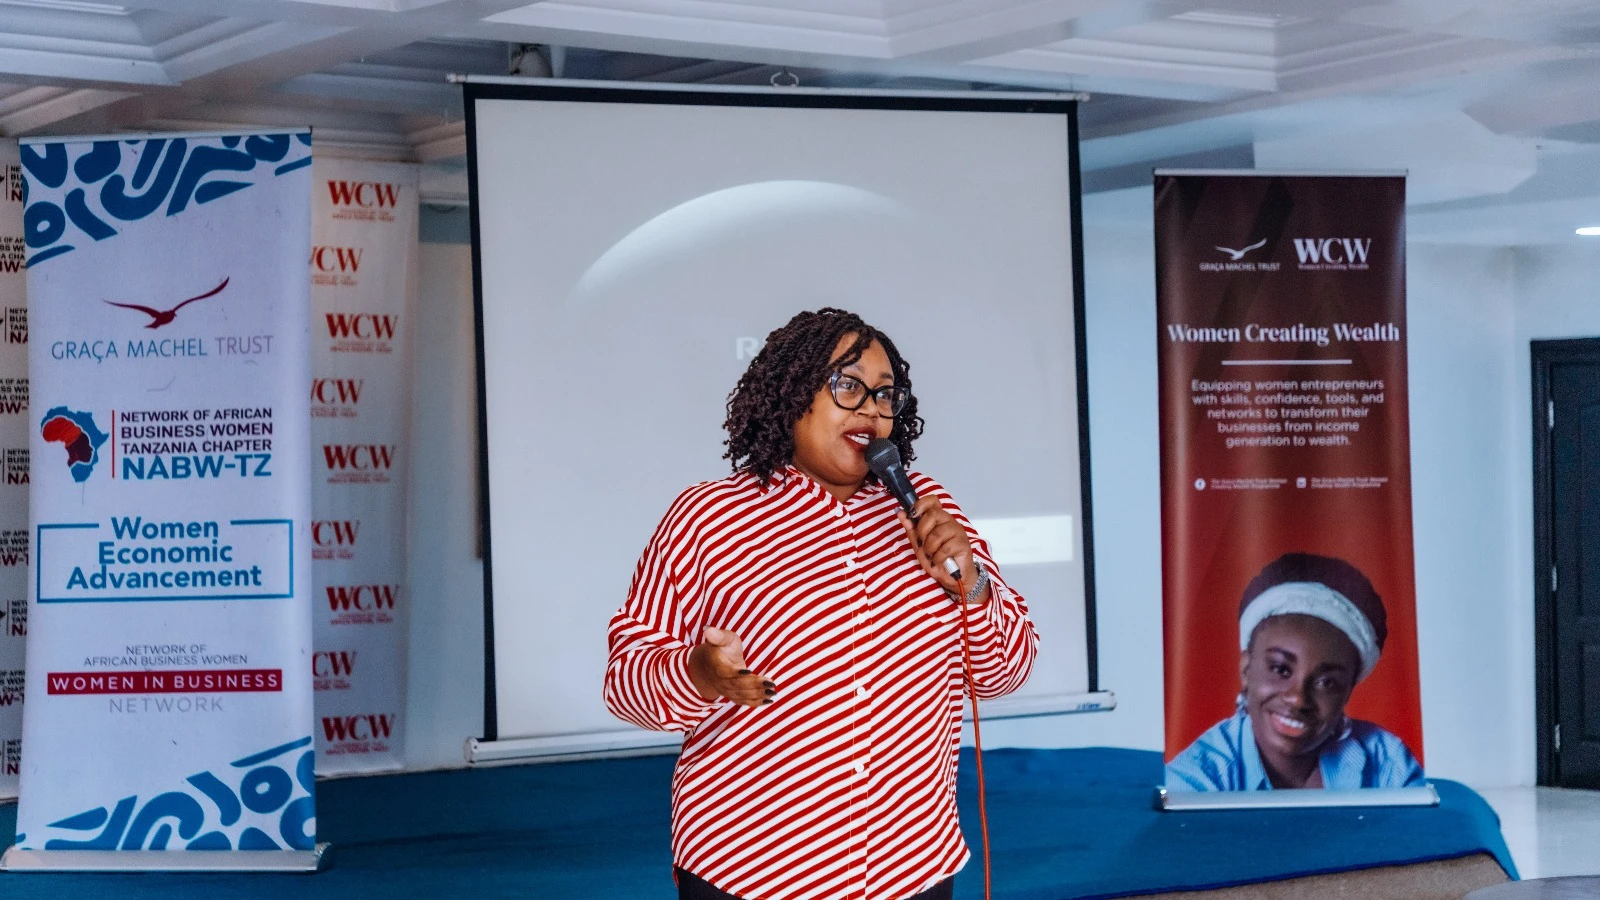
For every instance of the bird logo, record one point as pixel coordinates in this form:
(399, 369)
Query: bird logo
(1236, 255)
(160, 317)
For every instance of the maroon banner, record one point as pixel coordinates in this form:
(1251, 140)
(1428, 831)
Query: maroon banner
(211, 681)
(1289, 598)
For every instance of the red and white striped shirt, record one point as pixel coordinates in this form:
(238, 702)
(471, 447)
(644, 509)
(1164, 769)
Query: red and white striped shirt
(844, 785)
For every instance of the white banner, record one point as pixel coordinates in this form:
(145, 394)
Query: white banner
(13, 467)
(363, 285)
(169, 701)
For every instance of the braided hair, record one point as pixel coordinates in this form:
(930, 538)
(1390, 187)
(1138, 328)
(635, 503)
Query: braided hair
(782, 381)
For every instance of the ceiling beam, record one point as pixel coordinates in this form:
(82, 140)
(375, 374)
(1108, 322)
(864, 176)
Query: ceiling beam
(1019, 25)
(260, 57)
(1430, 62)
(839, 38)
(29, 110)
(446, 140)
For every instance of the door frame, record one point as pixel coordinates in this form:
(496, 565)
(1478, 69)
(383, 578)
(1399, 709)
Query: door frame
(1546, 355)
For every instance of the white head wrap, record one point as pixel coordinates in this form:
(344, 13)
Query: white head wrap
(1313, 598)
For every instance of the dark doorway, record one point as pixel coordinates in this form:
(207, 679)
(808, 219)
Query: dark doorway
(1566, 476)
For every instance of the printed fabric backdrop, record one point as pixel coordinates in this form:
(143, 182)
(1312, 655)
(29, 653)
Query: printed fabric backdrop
(363, 285)
(13, 467)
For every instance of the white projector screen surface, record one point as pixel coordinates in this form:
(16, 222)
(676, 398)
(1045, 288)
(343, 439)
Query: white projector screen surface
(632, 258)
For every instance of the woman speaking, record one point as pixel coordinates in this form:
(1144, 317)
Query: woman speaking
(805, 633)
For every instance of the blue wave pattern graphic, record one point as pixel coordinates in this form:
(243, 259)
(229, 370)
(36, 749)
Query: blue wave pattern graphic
(77, 193)
(210, 813)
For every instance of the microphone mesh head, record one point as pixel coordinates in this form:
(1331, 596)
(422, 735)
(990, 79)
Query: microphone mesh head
(882, 455)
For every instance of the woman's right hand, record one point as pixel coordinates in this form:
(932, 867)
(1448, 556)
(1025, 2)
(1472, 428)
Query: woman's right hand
(717, 668)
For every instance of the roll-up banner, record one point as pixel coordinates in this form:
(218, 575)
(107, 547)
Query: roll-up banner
(1289, 599)
(363, 282)
(169, 697)
(13, 467)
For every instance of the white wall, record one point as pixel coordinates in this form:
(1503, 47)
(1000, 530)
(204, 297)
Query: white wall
(1125, 465)
(1471, 311)
(1463, 400)
(445, 703)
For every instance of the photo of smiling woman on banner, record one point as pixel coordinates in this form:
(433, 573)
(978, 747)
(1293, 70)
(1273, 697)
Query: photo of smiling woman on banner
(1311, 628)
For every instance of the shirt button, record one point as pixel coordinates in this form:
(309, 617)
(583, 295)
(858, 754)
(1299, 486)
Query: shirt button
(860, 768)
(861, 690)
(838, 512)
(849, 564)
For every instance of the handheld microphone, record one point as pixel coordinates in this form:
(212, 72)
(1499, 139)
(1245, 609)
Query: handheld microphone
(883, 457)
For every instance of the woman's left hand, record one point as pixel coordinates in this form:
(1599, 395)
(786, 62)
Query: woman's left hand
(937, 536)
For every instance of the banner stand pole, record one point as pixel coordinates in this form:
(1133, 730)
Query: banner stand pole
(1201, 801)
(17, 859)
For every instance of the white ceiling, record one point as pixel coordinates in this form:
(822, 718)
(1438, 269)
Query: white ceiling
(1491, 106)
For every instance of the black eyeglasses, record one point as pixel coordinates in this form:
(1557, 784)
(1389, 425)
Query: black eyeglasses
(849, 393)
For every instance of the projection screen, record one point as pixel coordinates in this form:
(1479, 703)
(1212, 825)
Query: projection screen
(632, 247)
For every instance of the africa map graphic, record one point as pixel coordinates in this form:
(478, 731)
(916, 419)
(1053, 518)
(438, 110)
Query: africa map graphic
(77, 432)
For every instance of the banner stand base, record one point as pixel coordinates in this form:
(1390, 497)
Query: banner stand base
(17, 859)
(1199, 801)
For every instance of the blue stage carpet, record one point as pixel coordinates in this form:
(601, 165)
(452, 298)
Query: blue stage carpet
(1064, 824)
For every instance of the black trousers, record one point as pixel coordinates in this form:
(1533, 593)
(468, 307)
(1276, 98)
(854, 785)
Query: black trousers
(692, 887)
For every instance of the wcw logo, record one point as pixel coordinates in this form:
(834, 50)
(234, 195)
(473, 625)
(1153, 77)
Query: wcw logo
(334, 538)
(336, 259)
(371, 727)
(331, 391)
(334, 533)
(333, 663)
(1332, 251)
(362, 326)
(362, 597)
(364, 194)
(359, 457)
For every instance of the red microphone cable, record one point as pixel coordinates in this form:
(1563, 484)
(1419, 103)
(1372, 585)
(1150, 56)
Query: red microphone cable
(977, 731)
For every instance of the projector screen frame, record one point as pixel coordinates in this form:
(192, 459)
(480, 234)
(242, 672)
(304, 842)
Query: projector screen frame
(477, 88)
